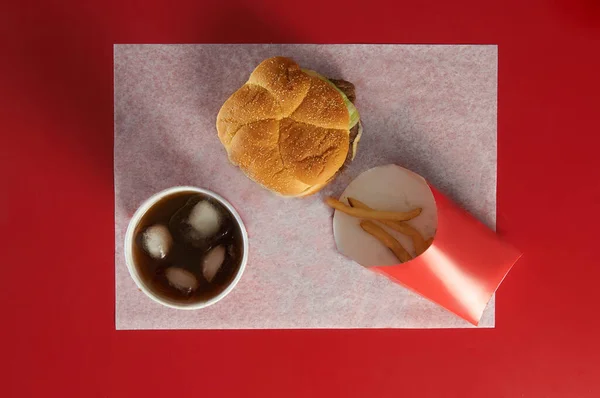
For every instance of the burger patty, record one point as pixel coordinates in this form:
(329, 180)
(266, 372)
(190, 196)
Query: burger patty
(346, 87)
(350, 91)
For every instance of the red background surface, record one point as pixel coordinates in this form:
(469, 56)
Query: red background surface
(56, 209)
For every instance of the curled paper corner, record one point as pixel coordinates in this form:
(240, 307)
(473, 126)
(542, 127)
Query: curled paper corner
(461, 269)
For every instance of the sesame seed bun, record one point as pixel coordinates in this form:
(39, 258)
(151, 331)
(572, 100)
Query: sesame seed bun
(285, 129)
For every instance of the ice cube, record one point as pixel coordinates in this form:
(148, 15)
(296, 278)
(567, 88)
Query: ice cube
(181, 279)
(157, 241)
(213, 262)
(199, 223)
(205, 219)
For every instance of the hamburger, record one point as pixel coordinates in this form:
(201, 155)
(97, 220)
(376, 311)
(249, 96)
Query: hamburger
(290, 129)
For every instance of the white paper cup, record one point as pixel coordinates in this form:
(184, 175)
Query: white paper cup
(130, 242)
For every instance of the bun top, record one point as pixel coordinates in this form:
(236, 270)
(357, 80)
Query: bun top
(286, 130)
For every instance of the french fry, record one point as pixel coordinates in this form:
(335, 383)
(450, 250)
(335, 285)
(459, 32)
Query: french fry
(373, 214)
(387, 239)
(400, 226)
